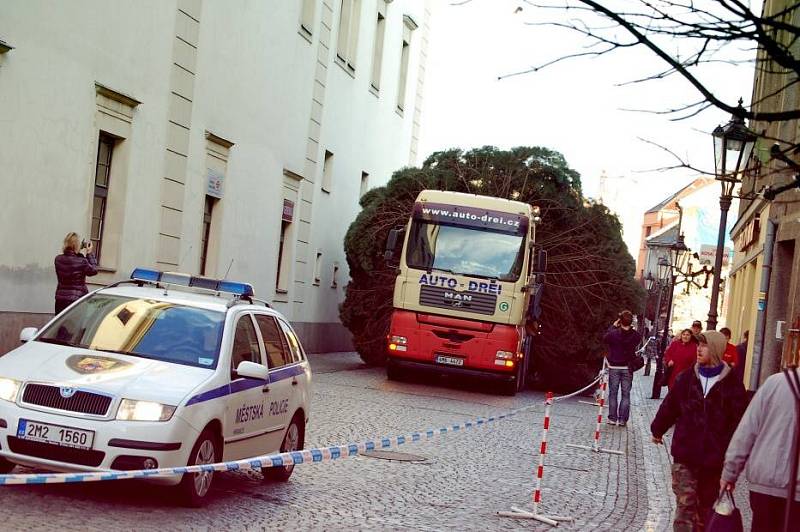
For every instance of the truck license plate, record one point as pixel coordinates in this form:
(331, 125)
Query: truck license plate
(55, 434)
(450, 361)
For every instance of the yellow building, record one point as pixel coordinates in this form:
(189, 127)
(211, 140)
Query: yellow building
(764, 293)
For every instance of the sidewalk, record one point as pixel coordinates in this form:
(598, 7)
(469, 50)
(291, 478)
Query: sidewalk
(657, 460)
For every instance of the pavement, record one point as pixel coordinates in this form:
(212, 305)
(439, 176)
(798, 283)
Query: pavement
(456, 482)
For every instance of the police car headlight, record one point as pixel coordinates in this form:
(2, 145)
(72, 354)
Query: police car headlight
(130, 410)
(9, 389)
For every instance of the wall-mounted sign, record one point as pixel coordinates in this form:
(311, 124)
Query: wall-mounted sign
(288, 211)
(708, 255)
(748, 235)
(215, 180)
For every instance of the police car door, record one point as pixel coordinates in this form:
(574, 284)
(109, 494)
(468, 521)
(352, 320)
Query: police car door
(246, 411)
(279, 409)
(301, 373)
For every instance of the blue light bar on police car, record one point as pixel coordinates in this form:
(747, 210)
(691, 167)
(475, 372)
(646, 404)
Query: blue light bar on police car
(141, 274)
(183, 279)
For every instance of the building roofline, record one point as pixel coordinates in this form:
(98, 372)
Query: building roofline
(698, 183)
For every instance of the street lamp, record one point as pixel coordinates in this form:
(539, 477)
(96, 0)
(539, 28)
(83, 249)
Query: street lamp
(678, 255)
(649, 281)
(733, 144)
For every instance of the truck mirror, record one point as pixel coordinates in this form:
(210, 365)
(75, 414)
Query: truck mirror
(393, 243)
(541, 260)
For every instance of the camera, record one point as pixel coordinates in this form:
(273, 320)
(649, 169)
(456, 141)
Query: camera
(84, 244)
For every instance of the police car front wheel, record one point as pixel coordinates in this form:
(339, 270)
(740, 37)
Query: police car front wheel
(195, 486)
(293, 440)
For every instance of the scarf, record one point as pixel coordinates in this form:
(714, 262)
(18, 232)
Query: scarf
(711, 371)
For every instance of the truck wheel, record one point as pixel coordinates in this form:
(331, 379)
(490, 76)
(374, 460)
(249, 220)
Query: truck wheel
(517, 385)
(6, 466)
(292, 441)
(393, 373)
(373, 358)
(194, 487)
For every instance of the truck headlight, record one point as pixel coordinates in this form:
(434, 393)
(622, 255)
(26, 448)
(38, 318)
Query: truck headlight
(130, 410)
(9, 389)
(398, 343)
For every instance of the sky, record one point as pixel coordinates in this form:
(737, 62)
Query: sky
(575, 107)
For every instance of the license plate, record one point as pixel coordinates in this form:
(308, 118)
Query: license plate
(450, 361)
(55, 434)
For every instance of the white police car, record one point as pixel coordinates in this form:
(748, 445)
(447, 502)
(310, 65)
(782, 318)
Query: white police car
(163, 370)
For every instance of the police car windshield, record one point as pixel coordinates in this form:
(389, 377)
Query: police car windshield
(465, 250)
(147, 328)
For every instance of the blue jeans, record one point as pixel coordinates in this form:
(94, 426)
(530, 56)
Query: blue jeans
(619, 379)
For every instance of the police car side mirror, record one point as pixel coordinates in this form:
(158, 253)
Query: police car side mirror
(251, 370)
(27, 334)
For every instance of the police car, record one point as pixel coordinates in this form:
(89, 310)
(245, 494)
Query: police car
(162, 370)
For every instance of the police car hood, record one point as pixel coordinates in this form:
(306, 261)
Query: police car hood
(111, 373)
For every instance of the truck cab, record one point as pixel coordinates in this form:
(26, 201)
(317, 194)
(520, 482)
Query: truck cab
(466, 295)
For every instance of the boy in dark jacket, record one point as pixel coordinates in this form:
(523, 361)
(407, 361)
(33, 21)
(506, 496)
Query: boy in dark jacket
(705, 406)
(621, 340)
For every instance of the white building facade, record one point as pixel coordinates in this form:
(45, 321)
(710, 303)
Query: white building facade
(225, 138)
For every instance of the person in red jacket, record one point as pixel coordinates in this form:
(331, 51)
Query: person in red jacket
(731, 356)
(680, 355)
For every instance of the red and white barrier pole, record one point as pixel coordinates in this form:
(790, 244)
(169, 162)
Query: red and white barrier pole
(600, 404)
(537, 493)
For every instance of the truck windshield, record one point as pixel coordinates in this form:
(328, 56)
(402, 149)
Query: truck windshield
(465, 251)
(140, 327)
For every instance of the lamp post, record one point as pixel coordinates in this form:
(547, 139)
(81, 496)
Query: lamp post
(678, 254)
(733, 144)
(651, 285)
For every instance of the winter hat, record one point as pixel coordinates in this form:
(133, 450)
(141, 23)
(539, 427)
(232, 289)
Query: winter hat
(716, 344)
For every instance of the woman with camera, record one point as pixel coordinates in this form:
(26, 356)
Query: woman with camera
(72, 268)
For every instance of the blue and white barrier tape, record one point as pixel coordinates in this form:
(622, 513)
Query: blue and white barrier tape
(317, 455)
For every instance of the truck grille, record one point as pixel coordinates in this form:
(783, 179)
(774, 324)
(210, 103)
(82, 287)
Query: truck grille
(81, 402)
(436, 296)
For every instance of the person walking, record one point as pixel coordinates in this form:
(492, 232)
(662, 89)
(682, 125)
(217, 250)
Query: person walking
(704, 405)
(697, 328)
(763, 442)
(741, 355)
(680, 356)
(621, 340)
(731, 356)
(72, 269)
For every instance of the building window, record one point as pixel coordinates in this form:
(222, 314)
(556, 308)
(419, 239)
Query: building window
(307, 17)
(282, 278)
(317, 268)
(377, 49)
(102, 178)
(364, 184)
(348, 34)
(327, 172)
(408, 26)
(208, 212)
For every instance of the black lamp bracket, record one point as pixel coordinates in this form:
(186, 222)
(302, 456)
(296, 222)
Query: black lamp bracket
(770, 193)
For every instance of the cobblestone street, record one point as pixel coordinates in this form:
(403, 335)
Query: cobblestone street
(464, 479)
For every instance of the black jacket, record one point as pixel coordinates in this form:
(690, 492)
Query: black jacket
(621, 345)
(72, 270)
(703, 425)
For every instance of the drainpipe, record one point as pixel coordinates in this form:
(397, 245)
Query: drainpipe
(761, 317)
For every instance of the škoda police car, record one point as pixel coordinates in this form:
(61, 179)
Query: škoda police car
(163, 370)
